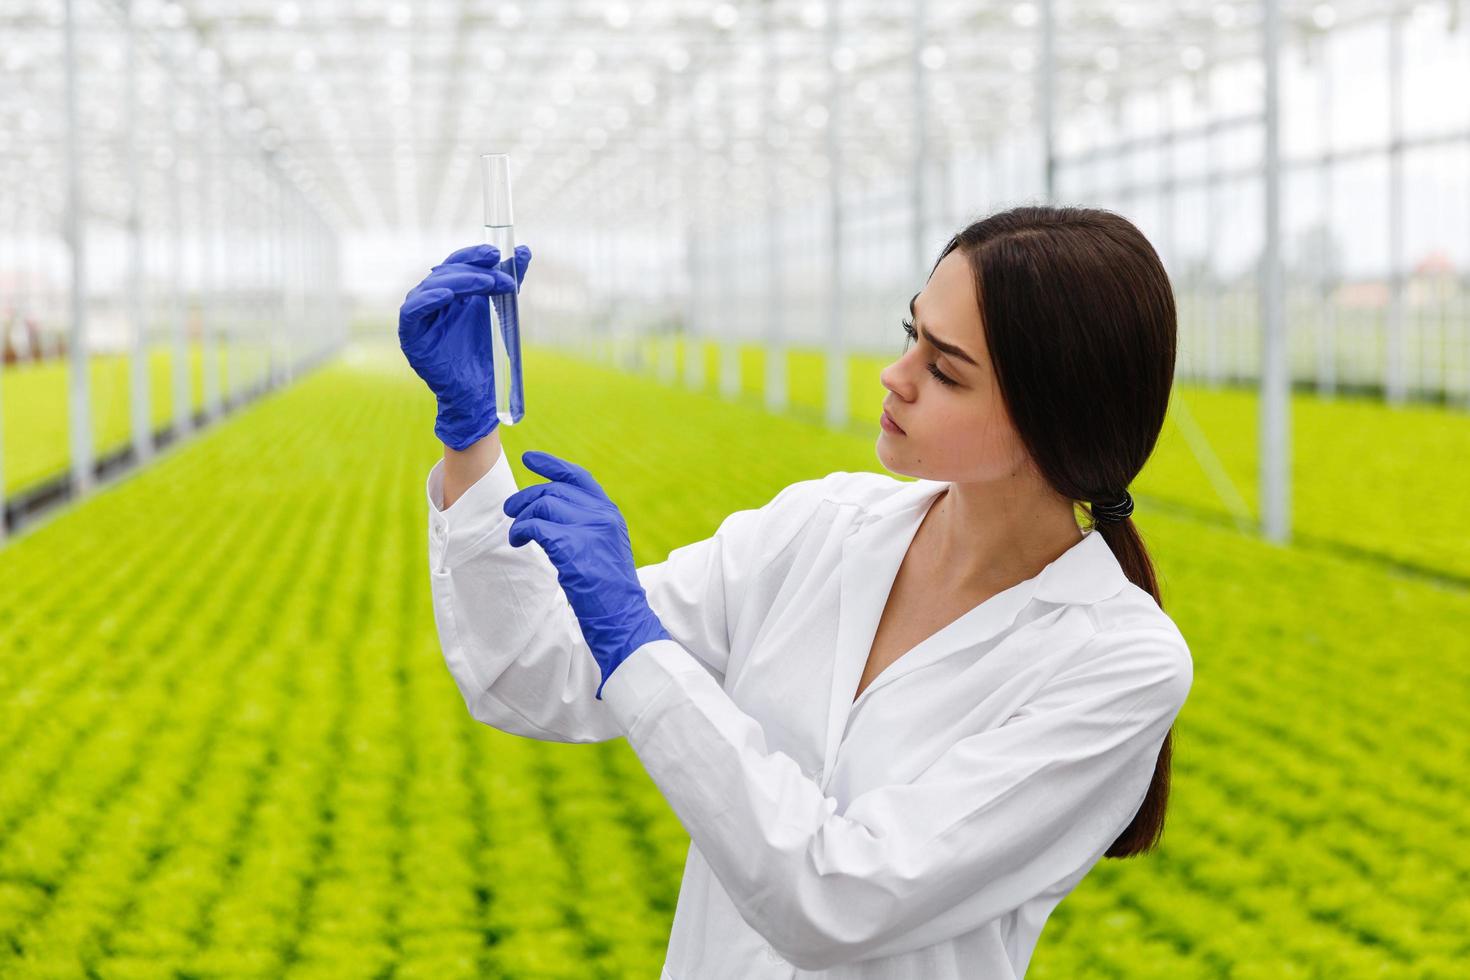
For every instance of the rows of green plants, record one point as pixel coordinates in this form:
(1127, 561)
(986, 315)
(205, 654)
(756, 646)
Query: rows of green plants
(233, 749)
(1354, 461)
(35, 409)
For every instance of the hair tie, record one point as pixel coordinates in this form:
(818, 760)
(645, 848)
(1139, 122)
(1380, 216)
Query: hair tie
(1113, 513)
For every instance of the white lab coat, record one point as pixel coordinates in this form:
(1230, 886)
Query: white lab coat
(924, 832)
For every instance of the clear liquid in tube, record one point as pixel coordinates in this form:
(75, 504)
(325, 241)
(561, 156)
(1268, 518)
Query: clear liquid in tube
(505, 331)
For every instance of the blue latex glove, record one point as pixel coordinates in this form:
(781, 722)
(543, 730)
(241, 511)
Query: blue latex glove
(444, 331)
(584, 535)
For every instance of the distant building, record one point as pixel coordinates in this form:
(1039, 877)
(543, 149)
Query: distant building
(1432, 280)
(1367, 294)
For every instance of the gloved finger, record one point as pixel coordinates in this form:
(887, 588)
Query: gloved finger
(468, 267)
(481, 254)
(517, 502)
(556, 468)
(544, 533)
(428, 283)
(523, 261)
(552, 501)
(469, 283)
(418, 305)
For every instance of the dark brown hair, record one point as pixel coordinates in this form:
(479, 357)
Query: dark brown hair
(1079, 318)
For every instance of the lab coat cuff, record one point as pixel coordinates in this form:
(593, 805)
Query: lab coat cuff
(636, 684)
(477, 511)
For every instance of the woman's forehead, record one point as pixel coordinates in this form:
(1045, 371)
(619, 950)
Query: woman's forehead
(951, 289)
(949, 307)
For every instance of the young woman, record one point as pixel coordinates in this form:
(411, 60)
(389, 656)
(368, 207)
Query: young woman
(900, 720)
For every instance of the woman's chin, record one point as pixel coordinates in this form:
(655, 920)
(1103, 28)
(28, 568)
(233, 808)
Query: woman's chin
(886, 458)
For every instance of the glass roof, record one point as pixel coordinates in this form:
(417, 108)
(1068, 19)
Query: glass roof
(376, 111)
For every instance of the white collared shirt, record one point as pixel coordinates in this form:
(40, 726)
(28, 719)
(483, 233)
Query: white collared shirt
(923, 832)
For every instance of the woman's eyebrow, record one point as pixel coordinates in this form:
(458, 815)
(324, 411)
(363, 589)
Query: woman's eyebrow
(948, 348)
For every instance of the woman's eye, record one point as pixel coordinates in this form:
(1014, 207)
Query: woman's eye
(941, 378)
(913, 334)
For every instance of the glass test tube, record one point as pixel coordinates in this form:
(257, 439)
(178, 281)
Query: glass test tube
(505, 325)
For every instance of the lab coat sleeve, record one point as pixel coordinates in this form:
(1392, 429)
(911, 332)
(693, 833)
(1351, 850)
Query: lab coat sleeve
(510, 637)
(1001, 817)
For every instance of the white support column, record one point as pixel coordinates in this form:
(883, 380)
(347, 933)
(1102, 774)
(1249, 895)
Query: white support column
(691, 298)
(227, 331)
(317, 277)
(1168, 193)
(281, 294)
(29, 222)
(139, 394)
(1275, 415)
(732, 241)
(82, 478)
(210, 175)
(693, 337)
(233, 263)
(246, 230)
(642, 196)
(290, 271)
(182, 376)
(1395, 382)
(1327, 333)
(1213, 369)
(1047, 68)
(308, 308)
(603, 217)
(262, 316)
(675, 297)
(837, 402)
(339, 303)
(776, 396)
(279, 298)
(919, 162)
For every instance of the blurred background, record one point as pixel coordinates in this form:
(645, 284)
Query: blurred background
(230, 745)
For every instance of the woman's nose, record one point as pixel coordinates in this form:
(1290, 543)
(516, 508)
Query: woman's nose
(889, 377)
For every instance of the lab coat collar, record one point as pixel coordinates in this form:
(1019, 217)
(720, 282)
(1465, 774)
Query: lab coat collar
(871, 555)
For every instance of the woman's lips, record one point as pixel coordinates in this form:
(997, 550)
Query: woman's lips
(887, 422)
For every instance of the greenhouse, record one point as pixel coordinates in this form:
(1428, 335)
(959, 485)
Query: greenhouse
(1210, 260)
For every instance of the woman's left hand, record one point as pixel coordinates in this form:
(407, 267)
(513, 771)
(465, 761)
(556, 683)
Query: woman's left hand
(586, 538)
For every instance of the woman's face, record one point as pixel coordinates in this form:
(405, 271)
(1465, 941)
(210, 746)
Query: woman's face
(959, 433)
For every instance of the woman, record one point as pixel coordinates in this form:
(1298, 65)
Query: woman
(900, 720)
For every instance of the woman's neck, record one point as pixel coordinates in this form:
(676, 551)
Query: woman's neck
(983, 538)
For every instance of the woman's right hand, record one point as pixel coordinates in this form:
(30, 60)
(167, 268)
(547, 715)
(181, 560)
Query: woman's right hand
(444, 331)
